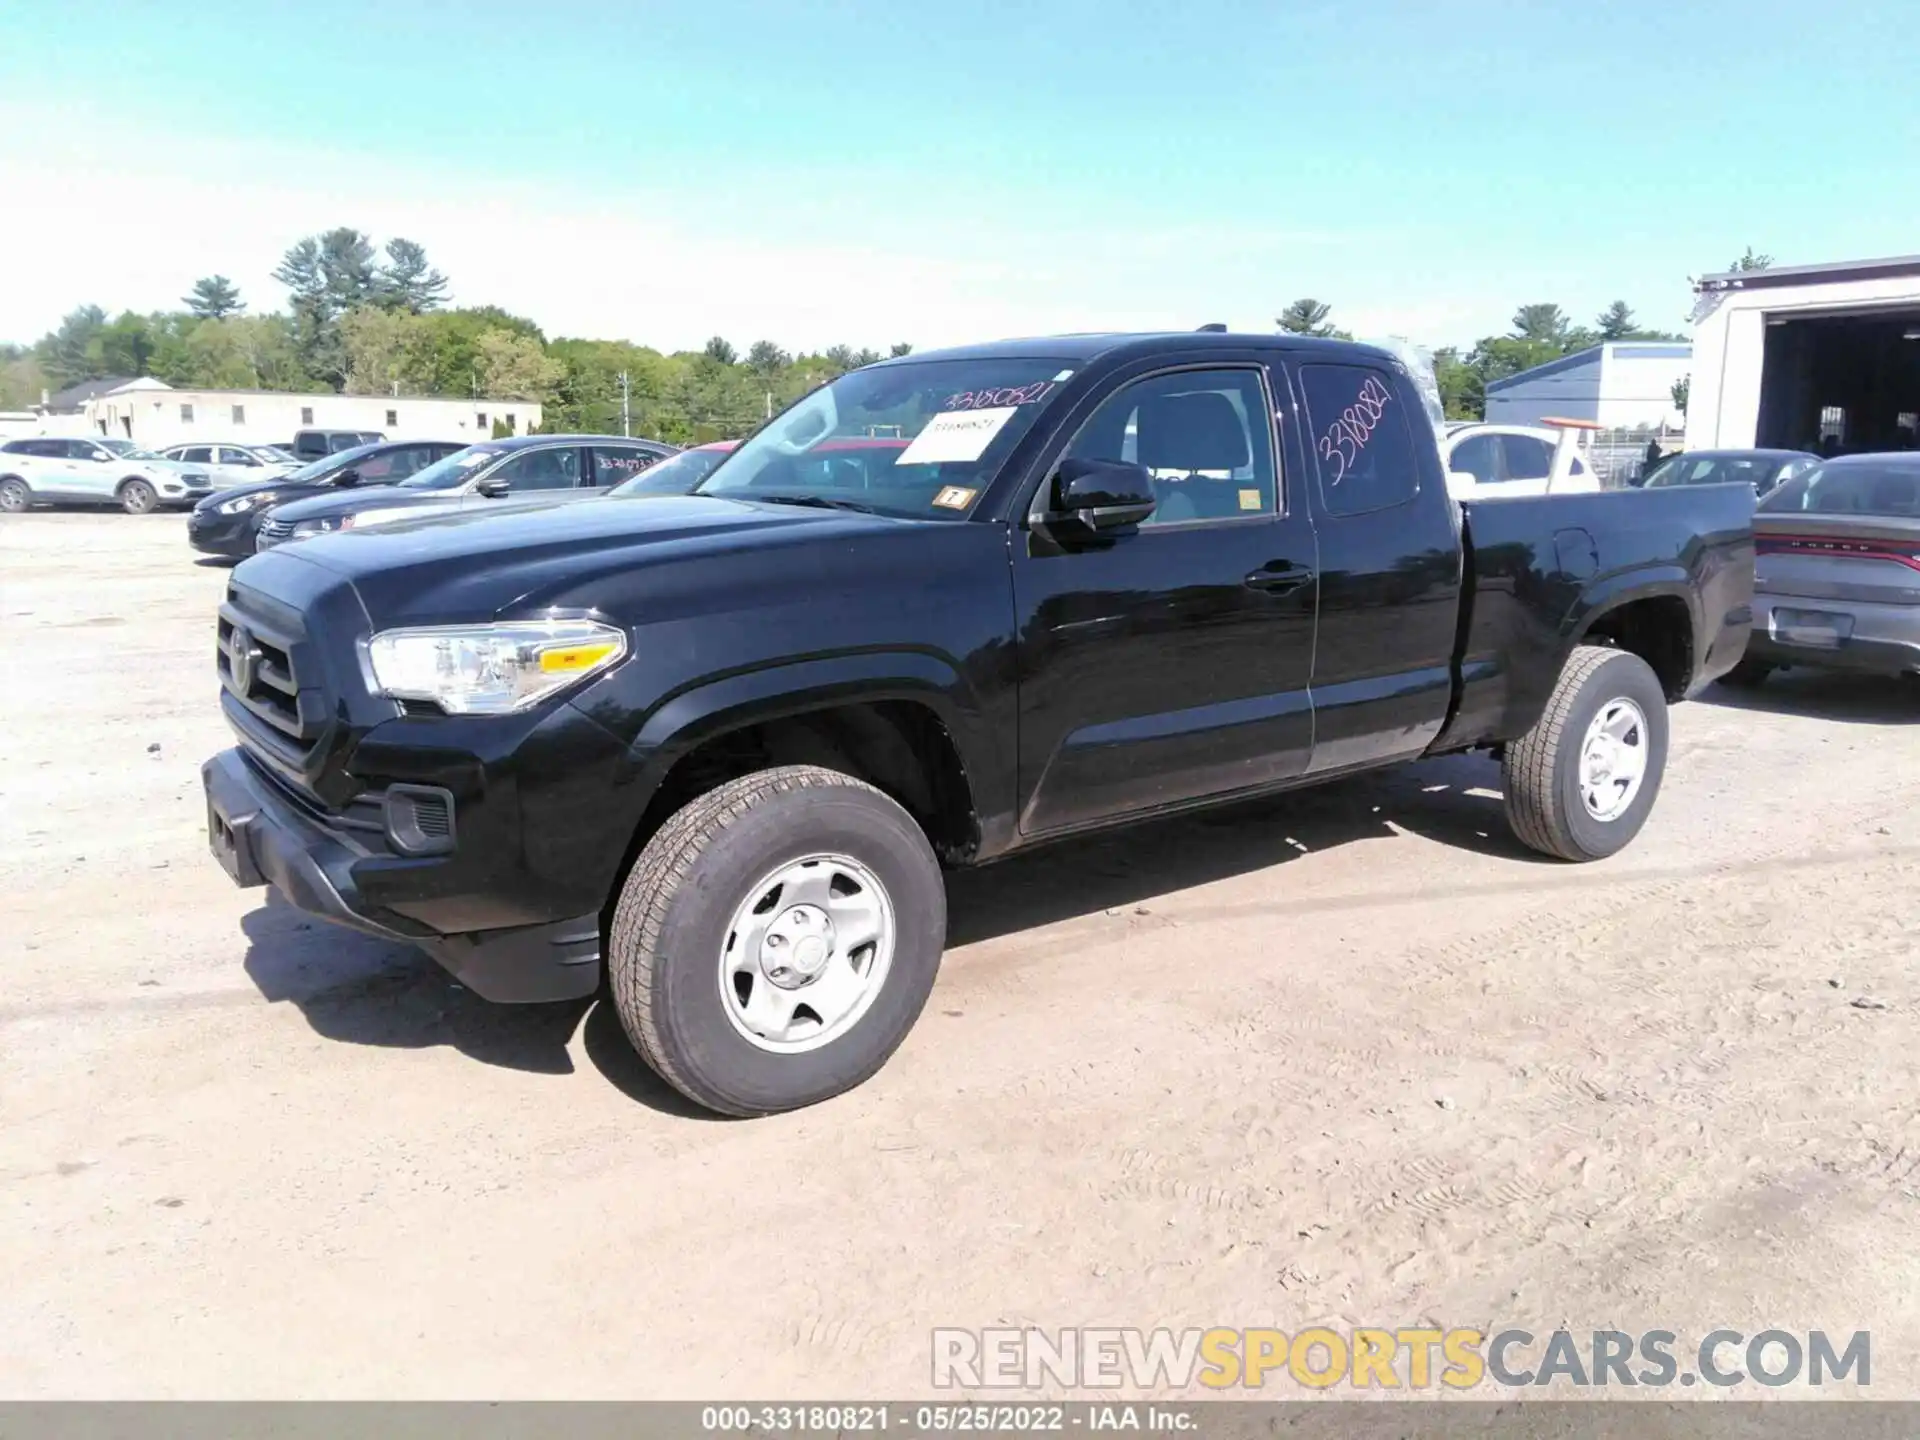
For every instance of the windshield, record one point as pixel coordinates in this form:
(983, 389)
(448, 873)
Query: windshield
(127, 450)
(1755, 470)
(1854, 488)
(327, 467)
(919, 439)
(453, 471)
(675, 476)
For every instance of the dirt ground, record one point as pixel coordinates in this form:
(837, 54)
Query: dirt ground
(1349, 1058)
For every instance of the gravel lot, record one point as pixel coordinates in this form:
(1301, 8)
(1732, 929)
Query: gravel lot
(1351, 1057)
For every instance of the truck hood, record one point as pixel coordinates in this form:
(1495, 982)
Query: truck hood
(516, 561)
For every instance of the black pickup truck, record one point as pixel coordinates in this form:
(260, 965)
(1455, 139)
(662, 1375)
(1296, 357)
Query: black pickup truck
(944, 608)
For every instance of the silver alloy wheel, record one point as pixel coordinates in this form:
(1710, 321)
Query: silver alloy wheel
(13, 497)
(137, 497)
(806, 953)
(1613, 759)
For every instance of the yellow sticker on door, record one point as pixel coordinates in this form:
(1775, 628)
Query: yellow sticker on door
(955, 497)
(1249, 499)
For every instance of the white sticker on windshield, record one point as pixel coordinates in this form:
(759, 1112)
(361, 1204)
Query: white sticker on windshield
(955, 435)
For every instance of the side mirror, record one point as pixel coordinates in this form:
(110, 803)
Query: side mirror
(1462, 482)
(348, 477)
(493, 488)
(1099, 496)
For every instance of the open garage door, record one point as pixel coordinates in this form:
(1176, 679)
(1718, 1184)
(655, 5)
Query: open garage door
(1841, 383)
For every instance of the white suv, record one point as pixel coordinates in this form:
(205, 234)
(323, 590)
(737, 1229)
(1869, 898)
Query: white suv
(95, 472)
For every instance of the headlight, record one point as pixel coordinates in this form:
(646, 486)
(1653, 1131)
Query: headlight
(491, 669)
(241, 504)
(323, 525)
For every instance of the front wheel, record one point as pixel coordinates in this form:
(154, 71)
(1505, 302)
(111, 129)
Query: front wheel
(1583, 780)
(15, 498)
(137, 497)
(776, 939)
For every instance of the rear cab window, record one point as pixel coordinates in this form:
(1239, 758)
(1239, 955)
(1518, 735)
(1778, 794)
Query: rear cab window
(1358, 429)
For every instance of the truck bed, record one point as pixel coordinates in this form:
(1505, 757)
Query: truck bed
(1542, 570)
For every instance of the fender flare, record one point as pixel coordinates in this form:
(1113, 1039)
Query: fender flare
(688, 719)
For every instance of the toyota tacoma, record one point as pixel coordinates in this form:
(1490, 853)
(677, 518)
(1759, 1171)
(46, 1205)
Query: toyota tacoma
(716, 749)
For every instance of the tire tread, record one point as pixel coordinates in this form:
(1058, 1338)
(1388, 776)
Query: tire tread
(1527, 770)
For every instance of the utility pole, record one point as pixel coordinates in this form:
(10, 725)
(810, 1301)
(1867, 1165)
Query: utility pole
(626, 404)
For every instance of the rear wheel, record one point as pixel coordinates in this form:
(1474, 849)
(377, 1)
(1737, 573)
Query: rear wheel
(776, 940)
(14, 495)
(1582, 782)
(1748, 675)
(137, 497)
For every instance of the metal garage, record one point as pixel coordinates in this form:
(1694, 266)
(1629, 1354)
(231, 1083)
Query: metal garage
(1808, 357)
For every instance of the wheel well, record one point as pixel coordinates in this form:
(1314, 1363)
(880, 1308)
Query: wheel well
(1659, 629)
(897, 746)
(126, 480)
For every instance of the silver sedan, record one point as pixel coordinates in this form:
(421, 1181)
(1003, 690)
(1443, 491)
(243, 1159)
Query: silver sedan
(229, 465)
(1837, 570)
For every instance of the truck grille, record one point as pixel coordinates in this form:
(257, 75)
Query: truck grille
(254, 655)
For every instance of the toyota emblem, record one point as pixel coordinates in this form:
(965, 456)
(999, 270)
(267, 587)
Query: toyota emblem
(241, 655)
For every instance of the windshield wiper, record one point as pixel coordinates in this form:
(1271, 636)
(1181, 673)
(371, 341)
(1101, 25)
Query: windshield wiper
(818, 502)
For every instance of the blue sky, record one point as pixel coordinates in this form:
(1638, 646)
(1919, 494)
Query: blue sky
(870, 172)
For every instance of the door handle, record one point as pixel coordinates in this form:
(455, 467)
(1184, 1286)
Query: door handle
(1279, 581)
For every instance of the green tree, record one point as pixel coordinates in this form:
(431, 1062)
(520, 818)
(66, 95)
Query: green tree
(214, 298)
(408, 282)
(1543, 323)
(21, 378)
(1462, 392)
(1750, 262)
(72, 352)
(127, 345)
(1306, 317)
(720, 351)
(1682, 389)
(1616, 322)
(901, 349)
(516, 367)
(387, 351)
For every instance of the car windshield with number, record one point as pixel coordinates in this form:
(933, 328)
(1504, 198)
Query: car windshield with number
(920, 439)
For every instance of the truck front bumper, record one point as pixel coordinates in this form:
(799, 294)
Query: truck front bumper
(261, 837)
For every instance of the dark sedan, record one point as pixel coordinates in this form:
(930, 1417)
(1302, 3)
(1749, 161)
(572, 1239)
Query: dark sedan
(1765, 470)
(227, 522)
(532, 470)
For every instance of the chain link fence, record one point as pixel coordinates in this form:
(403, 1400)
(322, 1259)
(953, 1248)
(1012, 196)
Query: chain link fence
(1619, 455)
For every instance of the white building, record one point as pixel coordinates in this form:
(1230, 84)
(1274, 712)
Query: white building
(1796, 355)
(155, 415)
(1622, 384)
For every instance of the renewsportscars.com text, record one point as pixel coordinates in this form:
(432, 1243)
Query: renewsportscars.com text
(1400, 1358)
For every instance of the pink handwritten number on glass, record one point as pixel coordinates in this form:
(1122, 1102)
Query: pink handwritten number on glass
(1343, 440)
(993, 399)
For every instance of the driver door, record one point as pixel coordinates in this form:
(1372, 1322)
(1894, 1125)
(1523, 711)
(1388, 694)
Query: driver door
(1171, 662)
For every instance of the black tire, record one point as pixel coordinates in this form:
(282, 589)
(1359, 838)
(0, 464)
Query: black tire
(1542, 768)
(137, 497)
(670, 928)
(1748, 675)
(15, 497)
